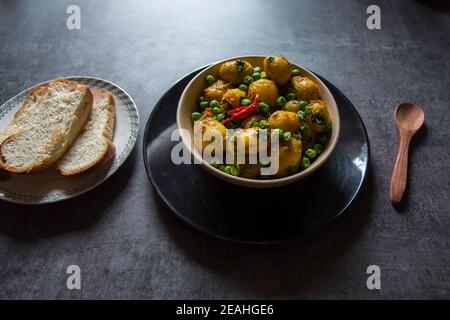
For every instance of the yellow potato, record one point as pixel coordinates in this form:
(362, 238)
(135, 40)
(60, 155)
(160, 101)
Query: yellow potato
(233, 97)
(235, 71)
(266, 89)
(285, 120)
(317, 116)
(212, 128)
(278, 69)
(216, 90)
(291, 106)
(304, 88)
(290, 154)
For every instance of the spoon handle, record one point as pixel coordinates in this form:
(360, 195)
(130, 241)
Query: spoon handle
(400, 173)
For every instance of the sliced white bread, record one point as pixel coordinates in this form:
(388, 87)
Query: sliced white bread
(45, 126)
(93, 146)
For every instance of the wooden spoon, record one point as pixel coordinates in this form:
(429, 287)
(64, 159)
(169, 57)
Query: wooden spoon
(408, 118)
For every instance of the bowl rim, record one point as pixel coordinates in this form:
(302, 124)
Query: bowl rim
(255, 183)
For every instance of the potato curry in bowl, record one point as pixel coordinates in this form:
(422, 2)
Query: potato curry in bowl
(249, 100)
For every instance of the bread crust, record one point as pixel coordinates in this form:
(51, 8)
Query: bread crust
(108, 152)
(110, 121)
(66, 138)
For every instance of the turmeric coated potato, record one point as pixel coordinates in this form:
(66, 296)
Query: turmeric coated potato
(235, 71)
(209, 128)
(266, 89)
(304, 88)
(317, 116)
(285, 120)
(233, 97)
(216, 90)
(278, 69)
(290, 154)
(291, 106)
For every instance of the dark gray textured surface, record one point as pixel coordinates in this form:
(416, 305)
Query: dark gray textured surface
(127, 243)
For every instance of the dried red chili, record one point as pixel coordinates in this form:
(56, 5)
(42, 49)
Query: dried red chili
(242, 111)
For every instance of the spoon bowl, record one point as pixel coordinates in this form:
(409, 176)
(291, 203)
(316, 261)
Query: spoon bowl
(409, 116)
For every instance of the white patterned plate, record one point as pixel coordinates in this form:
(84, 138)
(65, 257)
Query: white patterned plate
(49, 186)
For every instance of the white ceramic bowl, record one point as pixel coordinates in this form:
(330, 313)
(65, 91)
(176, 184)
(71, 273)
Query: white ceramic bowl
(188, 104)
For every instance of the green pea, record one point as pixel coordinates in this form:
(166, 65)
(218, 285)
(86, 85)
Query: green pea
(296, 72)
(263, 124)
(209, 79)
(201, 98)
(256, 76)
(311, 154)
(256, 69)
(323, 139)
(243, 87)
(302, 104)
(248, 80)
(214, 104)
(290, 96)
(220, 117)
(246, 102)
(287, 136)
(216, 110)
(234, 170)
(263, 107)
(305, 162)
(318, 147)
(255, 124)
(196, 116)
(281, 101)
(204, 104)
(301, 115)
(227, 169)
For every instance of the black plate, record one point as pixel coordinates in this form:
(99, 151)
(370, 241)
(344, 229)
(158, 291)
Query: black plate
(255, 215)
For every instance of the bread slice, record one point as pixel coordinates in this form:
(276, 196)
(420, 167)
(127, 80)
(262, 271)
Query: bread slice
(93, 145)
(45, 126)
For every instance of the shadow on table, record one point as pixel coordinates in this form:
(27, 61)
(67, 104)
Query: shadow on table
(276, 269)
(30, 223)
